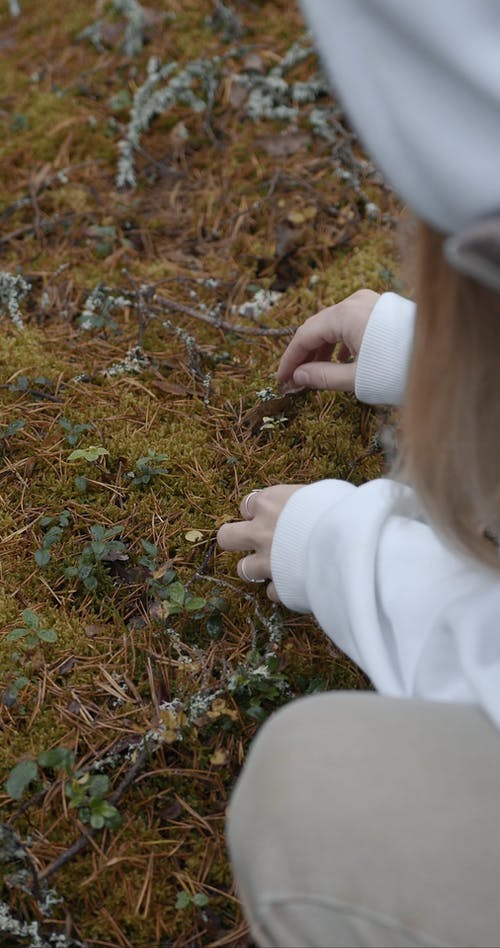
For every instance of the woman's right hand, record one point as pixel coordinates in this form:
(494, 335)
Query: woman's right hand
(306, 363)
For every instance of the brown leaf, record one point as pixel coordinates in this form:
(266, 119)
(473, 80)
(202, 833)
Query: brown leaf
(281, 405)
(171, 388)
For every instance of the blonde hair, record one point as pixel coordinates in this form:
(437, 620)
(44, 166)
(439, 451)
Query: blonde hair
(451, 421)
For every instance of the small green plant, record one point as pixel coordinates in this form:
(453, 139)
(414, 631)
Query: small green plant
(259, 685)
(38, 387)
(184, 900)
(20, 778)
(162, 584)
(94, 452)
(31, 633)
(73, 432)
(85, 792)
(102, 548)
(8, 432)
(272, 422)
(54, 528)
(12, 690)
(146, 469)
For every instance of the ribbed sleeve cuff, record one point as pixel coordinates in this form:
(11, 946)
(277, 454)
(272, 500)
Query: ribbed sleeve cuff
(291, 539)
(385, 351)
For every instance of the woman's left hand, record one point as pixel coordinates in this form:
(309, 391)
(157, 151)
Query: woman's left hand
(260, 510)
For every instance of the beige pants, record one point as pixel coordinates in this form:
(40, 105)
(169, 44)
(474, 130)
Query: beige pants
(370, 821)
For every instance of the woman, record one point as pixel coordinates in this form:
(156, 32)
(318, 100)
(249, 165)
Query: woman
(374, 819)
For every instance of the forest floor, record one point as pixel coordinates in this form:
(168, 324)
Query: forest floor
(163, 232)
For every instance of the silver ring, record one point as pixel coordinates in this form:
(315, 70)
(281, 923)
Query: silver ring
(245, 574)
(245, 505)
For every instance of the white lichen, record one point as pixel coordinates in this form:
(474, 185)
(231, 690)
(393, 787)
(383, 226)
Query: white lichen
(14, 7)
(136, 25)
(13, 290)
(262, 301)
(150, 100)
(134, 362)
(99, 307)
(226, 21)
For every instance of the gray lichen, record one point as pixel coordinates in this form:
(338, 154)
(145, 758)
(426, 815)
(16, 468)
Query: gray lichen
(150, 100)
(136, 25)
(13, 290)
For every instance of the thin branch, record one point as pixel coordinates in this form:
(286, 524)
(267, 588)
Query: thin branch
(219, 323)
(82, 842)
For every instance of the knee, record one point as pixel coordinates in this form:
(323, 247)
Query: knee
(267, 814)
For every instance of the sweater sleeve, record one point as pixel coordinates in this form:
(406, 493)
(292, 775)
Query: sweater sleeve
(419, 619)
(384, 356)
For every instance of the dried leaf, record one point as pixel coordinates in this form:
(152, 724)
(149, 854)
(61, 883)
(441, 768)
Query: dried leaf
(219, 758)
(171, 388)
(302, 215)
(192, 536)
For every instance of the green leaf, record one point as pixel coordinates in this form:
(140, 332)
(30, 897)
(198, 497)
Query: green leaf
(42, 557)
(92, 453)
(90, 583)
(256, 712)
(149, 548)
(20, 777)
(213, 626)
(107, 810)
(200, 899)
(99, 785)
(16, 634)
(115, 820)
(52, 536)
(47, 635)
(183, 900)
(31, 619)
(21, 682)
(193, 603)
(177, 593)
(58, 758)
(97, 821)
(98, 548)
(81, 484)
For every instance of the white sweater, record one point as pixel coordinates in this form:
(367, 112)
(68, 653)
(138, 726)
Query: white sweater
(420, 619)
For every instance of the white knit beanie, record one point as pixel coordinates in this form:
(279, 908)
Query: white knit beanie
(420, 81)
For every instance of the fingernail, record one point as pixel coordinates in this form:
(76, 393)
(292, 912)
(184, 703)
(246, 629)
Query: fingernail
(301, 377)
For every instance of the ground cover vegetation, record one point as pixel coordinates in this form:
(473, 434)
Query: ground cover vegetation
(178, 192)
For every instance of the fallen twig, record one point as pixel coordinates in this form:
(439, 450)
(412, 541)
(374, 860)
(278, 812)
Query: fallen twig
(219, 323)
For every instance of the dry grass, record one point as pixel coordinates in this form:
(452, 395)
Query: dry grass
(121, 685)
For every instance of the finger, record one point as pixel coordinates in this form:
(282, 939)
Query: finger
(320, 330)
(271, 593)
(254, 568)
(328, 376)
(236, 536)
(247, 506)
